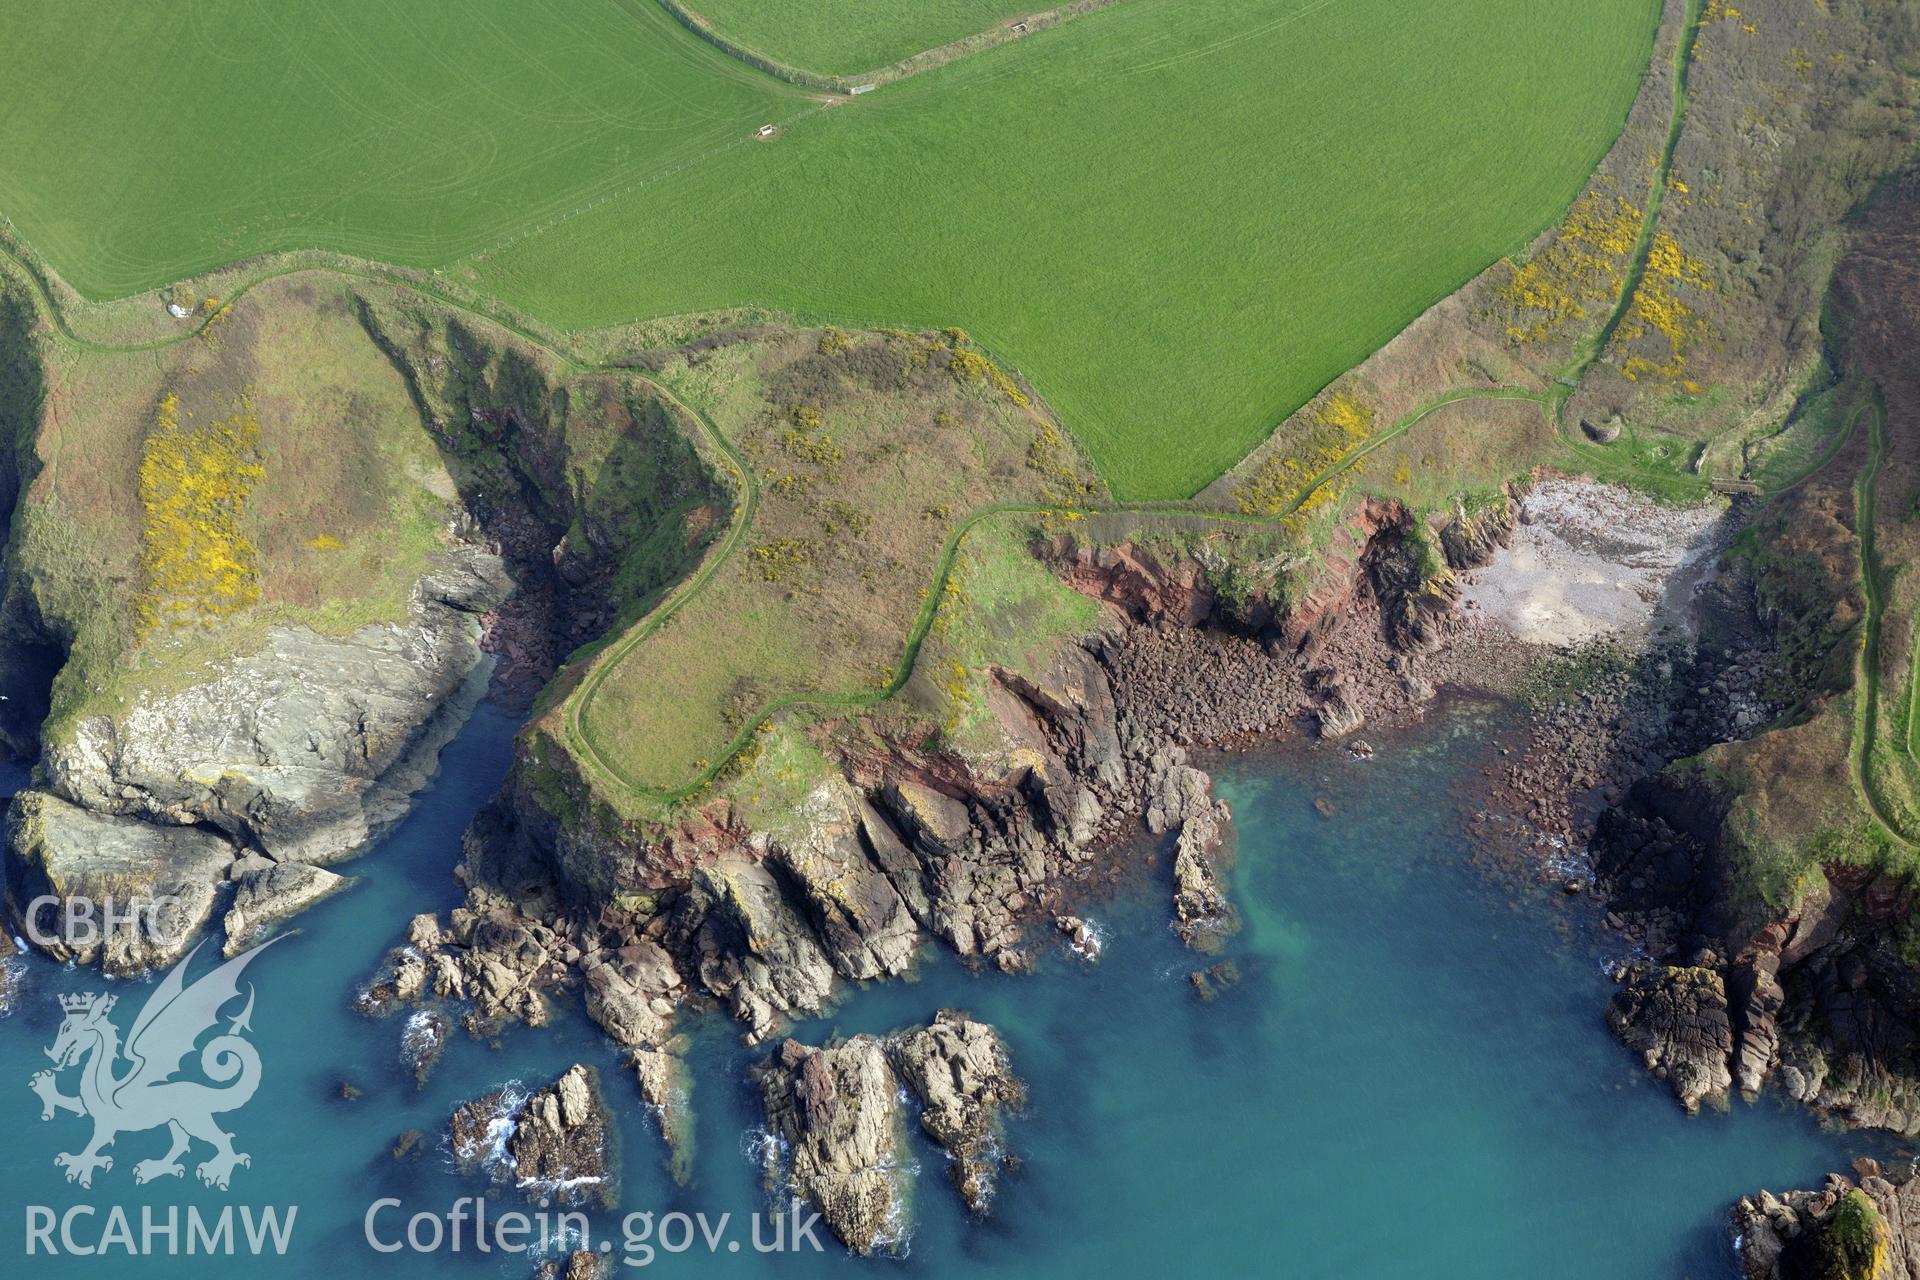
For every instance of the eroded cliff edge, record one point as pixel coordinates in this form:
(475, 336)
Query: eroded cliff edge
(254, 582)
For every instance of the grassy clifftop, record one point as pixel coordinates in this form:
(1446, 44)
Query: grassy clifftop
(859, 458)
(279, 459)
(269, 468)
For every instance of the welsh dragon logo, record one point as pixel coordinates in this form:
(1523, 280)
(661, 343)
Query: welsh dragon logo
(132, 1087)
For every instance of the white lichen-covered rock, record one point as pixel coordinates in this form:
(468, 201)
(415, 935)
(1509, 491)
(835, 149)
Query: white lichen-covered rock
(306, 748)
(140, 892)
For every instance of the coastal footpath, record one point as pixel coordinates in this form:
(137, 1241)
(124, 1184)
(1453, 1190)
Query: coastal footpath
(1649, 479)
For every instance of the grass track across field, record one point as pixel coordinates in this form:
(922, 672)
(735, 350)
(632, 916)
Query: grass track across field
(1179, 219)
(845, 37)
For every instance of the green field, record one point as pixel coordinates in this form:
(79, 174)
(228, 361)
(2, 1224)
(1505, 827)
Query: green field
(843, 37)
(1178, 218)
(143, 143)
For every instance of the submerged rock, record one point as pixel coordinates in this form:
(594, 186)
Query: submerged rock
(1209, 982)
(408, 1145)
(422, 1041)
(664, 1087)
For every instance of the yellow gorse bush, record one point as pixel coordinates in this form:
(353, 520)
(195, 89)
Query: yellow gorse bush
(1659, 316)
(1586, 264)
(196, 562)
(1283, 485)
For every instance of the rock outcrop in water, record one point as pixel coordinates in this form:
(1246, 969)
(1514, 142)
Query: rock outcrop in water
(1676, 1019)
(581, 1264)
(908, 844)
(59, 852)
(836, 1113)
(958, 1070)
(1847, 1230)
(838, 1119)
(1182, 802)
(556, 1142)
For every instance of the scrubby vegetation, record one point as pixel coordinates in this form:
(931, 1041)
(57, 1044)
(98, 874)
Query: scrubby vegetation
(197, 564)
(860, 457)
(308, 466)
(1578, 275)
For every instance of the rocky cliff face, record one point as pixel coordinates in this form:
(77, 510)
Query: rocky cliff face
(1756, 860)
(909, 846)
(304, 749)
(289, 757)
(559, 500)
(1819, 1000)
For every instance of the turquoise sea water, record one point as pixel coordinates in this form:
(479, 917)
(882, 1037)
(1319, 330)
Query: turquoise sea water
(1412, 1078)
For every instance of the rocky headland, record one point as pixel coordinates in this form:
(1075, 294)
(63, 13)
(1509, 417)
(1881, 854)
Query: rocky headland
(1866, 1227)
(276, 764)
